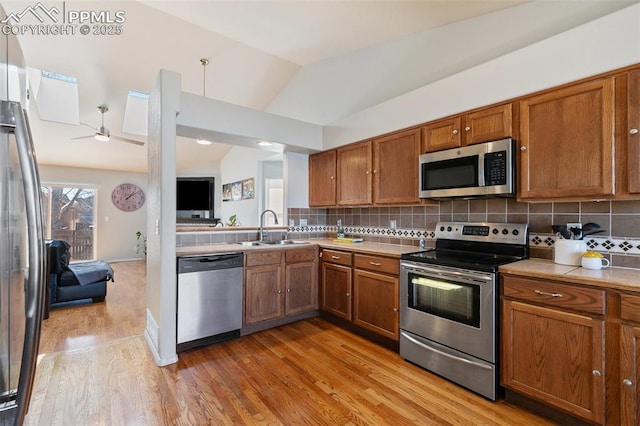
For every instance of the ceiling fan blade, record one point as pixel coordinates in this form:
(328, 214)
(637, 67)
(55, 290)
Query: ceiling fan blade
(84, 137)
(133, 141)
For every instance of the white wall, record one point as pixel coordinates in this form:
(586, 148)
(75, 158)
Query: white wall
(296, 180)
(115, 229)
(242, 163)
(604, 44)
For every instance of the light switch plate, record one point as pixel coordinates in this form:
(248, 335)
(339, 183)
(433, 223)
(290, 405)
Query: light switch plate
(303, 222)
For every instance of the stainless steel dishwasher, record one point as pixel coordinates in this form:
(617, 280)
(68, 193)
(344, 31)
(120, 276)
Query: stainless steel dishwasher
(209, 299)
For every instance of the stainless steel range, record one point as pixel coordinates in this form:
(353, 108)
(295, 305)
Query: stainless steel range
(449, 301)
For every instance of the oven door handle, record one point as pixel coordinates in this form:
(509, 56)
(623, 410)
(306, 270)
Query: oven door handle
(439, 352)
(466, 275)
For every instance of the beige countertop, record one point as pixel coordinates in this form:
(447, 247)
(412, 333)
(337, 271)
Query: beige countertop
(213, 228)
(625, 279)
(392, 250)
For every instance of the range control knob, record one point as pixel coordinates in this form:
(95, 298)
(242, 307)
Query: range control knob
(515, 232)
(495, 231)
(448, 229)
(505, 231)
(442, 229)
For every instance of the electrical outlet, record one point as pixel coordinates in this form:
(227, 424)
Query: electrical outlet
(303, 222)
(393, 224)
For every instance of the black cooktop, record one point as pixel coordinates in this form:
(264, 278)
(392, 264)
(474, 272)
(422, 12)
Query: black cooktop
(460, 259)
(477, 246)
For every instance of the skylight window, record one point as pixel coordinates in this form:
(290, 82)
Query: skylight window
(56, 96)
(136, 113)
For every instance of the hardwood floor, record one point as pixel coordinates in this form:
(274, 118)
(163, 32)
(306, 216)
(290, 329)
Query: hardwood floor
(96, 369)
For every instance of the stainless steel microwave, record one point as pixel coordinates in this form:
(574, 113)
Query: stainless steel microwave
(481, 170)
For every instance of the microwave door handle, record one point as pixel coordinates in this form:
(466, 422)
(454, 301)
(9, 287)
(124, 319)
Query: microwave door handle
(481, 181)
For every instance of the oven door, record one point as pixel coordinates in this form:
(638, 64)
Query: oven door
(451, 306)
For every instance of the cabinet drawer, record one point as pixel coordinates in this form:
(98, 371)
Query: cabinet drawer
(378, 264)
(630, 308)
(554, 294)
(335, 256)
(260, 257)
(300, 255)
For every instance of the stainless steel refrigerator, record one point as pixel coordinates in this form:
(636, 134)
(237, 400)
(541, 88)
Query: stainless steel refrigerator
(22, 249)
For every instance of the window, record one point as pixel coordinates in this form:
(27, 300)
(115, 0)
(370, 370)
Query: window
(70, 216)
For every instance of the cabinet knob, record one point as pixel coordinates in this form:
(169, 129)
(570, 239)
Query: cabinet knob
(523, 148)
(348, 294)
(633, 131)
(455, 132)
(279, 291)
(395, 309)
(332, 177)
(627, 382)
(467, 128)
(596, 373)
(367, 172)
(288, 290)
(375, 171)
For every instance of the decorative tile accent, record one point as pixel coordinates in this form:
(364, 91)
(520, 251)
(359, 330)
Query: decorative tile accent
(600, 244)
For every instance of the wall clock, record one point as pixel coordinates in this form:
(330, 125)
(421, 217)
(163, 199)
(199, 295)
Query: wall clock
(127, 197)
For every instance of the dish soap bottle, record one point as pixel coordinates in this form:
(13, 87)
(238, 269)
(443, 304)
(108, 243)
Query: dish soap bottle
(340, 229)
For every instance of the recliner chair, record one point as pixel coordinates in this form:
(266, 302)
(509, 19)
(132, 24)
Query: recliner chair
(68, 282)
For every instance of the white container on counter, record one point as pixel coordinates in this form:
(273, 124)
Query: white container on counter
(569, 252)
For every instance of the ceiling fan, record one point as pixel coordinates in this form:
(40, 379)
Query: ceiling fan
(102, 133)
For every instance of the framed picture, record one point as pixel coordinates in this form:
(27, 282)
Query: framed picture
(226, 192)
(248, 186)
(236, 190)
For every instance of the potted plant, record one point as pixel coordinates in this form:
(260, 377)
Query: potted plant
(141, 243)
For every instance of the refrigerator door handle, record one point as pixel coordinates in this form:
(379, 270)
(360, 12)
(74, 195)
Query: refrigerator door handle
(34, 290)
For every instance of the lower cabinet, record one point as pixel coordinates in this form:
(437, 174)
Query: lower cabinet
(553, 347)
(336, 283)
(375, 295)
(363, 290)
(630, 361)
(279, 283)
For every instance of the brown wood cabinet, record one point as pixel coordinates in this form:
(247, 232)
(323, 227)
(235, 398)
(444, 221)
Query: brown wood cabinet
(355, 175)
(263, 286)
(322, 179)
(566, 143)
(633, 131)
(336, 283)
(553, 347)
(467, 129)
(488, 124)
(375, 294)
(280, 283)
(442, 134)
(301, 281)
(395, 170)
(363, 290)
(630, 361)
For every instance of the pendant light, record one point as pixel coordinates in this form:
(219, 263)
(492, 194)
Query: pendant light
(204, 62)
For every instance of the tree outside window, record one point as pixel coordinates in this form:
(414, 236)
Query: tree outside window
(70, 216)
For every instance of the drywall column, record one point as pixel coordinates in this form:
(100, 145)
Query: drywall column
(164, 105)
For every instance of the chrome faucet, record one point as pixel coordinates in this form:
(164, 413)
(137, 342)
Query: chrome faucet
(263, 233)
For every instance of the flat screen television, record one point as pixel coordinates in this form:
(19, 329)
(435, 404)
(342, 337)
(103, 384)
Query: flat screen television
(195, 193)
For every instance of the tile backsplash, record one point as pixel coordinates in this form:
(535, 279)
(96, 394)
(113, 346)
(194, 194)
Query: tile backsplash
(621, 220)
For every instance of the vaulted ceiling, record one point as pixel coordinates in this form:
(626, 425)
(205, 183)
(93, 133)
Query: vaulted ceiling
(316, 61)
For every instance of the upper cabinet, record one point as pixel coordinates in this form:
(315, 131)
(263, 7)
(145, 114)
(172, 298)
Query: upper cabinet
(355, 174)
(442, 134)
(633, 131)
(467, 129)
(322, 179)
(566, 143)
(489, 124)
(395, 170)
